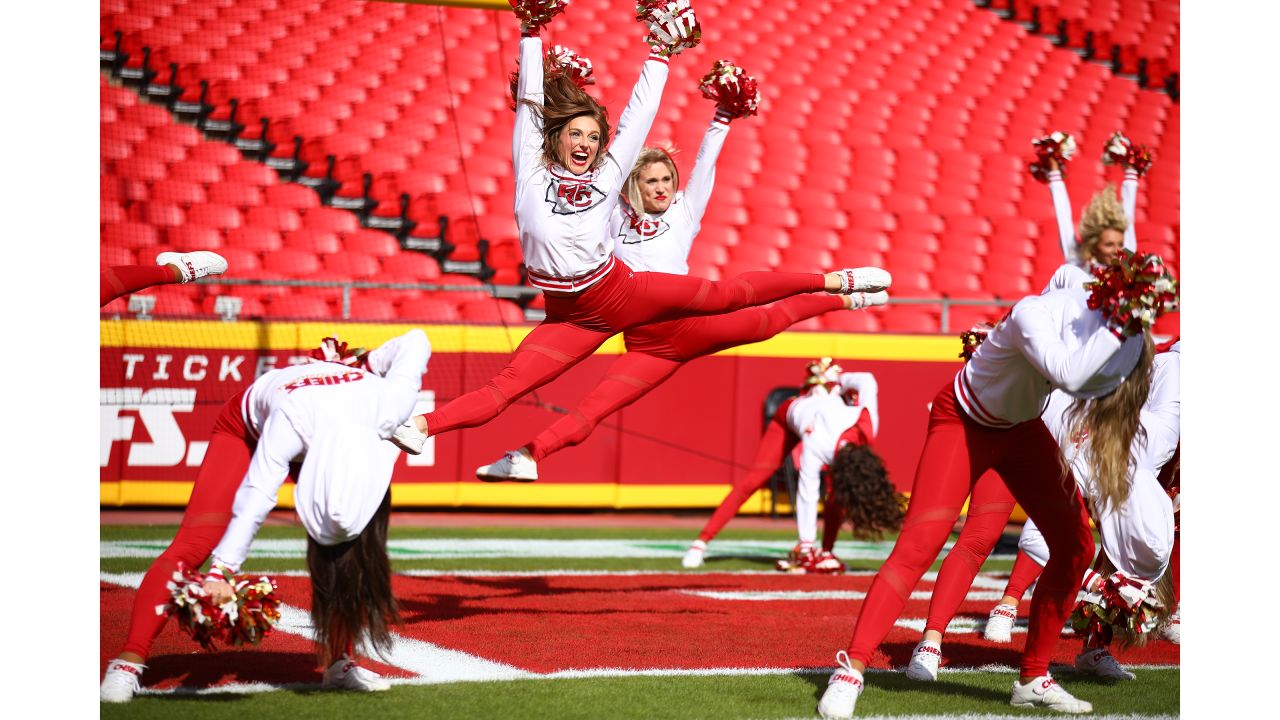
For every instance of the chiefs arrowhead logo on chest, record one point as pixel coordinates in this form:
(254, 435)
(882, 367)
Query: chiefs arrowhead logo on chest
(639, 230)
(568, 197)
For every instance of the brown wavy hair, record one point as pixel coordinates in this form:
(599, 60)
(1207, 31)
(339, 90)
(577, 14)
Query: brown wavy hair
(1104, 212)
(1112, 423)
(861, 486)
(351, 596)
(562, 101)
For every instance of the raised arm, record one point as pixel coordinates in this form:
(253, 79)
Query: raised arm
(526, 140)
(256, 497)
(864, 383)
(697, 192)
(638, 116)
(1129, 199)
(1062, 212)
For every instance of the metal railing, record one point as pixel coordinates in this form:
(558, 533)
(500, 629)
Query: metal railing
(518, 293)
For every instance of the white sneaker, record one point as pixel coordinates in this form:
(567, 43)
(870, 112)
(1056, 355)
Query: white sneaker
(345, 674)
(194, 265)
(512, 466)
(925, 660)
(409, 438)
(120, 683)
(1000, 623)
(693, 557)
(865, 300)
(1103, 664)
(864, 280)
(842, 693)
(1044, 691)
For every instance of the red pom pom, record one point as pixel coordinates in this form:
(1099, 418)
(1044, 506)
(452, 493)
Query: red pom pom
(191, 607)
(1120, 150)
(244, 620)
(1057, 146)
(536, 13)
(559, 60)
(973, 337)
(1132, 291)
(733, 90)
(255, 612)
(673, 26)
(333, 350)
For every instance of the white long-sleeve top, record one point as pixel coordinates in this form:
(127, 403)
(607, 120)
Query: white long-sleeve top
(820, 424)
(1075, 272)
(1047, 342)
(336, 419)
(661, 242)
(564, 218)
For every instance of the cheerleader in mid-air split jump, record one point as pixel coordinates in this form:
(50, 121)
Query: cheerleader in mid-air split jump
(568, 177)
(381, 398)
(835, 420)
(654, 227)
(989, 419)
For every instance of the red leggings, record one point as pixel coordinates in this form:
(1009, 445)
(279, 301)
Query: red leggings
(656, 351)
(990, 506)
(124, 279)
(957, 451)
(1025, 571)
(776, 444)
(203, 523)
(578, 324)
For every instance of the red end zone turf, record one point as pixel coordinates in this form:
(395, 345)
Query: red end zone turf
(553, 623)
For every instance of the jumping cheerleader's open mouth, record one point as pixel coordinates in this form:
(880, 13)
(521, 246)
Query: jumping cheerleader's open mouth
(579, 157)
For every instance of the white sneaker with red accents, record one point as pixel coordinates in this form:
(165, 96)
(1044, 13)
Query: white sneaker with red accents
(1103, 664)
(194, 265)
(409, 438)
(864, 280)
(1044, 691)
(842, 693)
(826, 563)
(120, 683)
(925, 660)
(693, 556)
(1000, 623)
(515, 465)
(345, 674)
(861, 300)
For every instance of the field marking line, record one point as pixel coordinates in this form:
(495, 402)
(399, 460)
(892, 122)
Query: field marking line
(473, 548)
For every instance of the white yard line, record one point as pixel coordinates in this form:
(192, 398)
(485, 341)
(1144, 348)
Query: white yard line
(452, 548)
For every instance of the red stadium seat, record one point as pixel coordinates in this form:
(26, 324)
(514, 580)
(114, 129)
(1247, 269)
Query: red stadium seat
(491, 310)
(304, 307)
(910, 319)
(317, 242)
(364, 307)
(255, 238)
(331, 219)
(431, 309)
(371, 242)
(220, 217)
(130, 235)
(352, 264)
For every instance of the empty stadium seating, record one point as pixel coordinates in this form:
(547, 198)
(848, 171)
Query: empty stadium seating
(894, 132)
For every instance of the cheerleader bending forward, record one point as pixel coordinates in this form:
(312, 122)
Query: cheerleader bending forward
(825, 423)
(1137, 537)
(654, 227)
(568, 177)
(989, 419)
(380, 398)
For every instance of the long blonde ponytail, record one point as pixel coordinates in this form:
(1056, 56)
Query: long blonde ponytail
(1111, 423)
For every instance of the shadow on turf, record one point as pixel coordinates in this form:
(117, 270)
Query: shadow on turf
(897, 682)
(207, 669)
